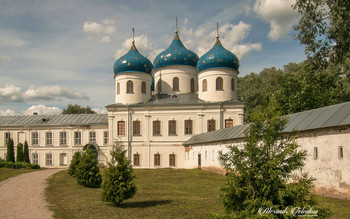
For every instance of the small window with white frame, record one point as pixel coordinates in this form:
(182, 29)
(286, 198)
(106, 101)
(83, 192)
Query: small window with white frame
(315, 153)
(77, 138)
(63, 138)
(35, 138)
(49, 160)
(105, 138)
(92, 136)
(35, 158)
(48, 138)
(340, 152)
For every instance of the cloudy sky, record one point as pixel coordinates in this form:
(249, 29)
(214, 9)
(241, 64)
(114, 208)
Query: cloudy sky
(59, 52)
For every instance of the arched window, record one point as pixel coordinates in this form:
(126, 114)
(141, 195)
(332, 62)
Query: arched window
(192, 85)
(233, 84)
(118, 88)
(129, 87)
(159, 86)
(176, 84)
(143, 87)
(204, 85)
(219, 84)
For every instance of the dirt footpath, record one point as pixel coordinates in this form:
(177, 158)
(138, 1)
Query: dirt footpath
(23, 196)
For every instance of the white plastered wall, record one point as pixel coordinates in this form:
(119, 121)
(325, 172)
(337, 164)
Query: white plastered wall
(184, 72)
(137, 96)
(212, 95)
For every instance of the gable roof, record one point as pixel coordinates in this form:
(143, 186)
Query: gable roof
(54, 120)
(325, 117)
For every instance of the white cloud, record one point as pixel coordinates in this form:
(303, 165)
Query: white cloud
(143, 45)
(53, 93)
(10, 40)
(231, 36)
(7, 112)
(5, 58)
(105, 39)
(100, 111)
(42, 110)
(96, 28)
(11, 93)
(108, 21)
(280, 15)
(200, 40)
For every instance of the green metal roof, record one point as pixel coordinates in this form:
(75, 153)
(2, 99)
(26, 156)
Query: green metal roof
(325, 117)
(54, 120)
(175, 100)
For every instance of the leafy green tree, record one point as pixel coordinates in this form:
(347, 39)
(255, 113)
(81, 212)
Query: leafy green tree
(87, 171)
(324, 29)
(76, 109)
(74, 163)
(305, 89)
(10, 155)
(19, 157)
(254, 88)
(26, 153)
(118, 183)
(264, 172)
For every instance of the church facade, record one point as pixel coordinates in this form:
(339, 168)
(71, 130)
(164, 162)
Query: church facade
(157, 108)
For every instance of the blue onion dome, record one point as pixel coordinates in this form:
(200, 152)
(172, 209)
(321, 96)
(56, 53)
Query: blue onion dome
(176, 54)
(133, 61)
(218, 57)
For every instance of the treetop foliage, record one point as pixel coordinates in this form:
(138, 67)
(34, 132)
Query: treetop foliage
(324, 29)
(76, 109)
(295, 88)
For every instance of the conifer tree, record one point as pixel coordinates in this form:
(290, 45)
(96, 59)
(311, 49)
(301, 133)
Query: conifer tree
(26, 153)
(87, 171)
(265, 173)
(118, 183)
(74, 163)
(19, 157)
(10, 156)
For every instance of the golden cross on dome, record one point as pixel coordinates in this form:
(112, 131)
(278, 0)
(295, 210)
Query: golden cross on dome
(133, 35)
(176, 26)
(217, 30)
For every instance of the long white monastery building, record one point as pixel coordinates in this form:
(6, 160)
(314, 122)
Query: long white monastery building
(178, 112)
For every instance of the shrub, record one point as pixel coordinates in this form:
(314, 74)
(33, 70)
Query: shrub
(26, 153)
(87, 171)
(18, 165)
(74, 163)
(19, 157)
(118, 184)
(10, 156)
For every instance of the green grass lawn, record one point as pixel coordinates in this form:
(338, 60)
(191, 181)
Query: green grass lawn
(162, 193)
(6, 173)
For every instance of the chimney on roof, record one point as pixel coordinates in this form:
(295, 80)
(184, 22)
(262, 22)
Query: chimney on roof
(35, 114)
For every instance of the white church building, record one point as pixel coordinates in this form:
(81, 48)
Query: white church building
(179, 112)
(157, 108)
